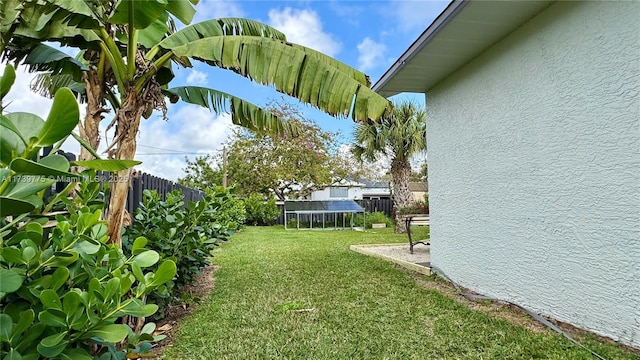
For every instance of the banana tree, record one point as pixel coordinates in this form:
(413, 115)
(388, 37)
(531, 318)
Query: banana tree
(128, 48)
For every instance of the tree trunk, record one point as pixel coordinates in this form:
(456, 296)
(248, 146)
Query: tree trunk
(128, 122)
(90, 129)
(400, 171)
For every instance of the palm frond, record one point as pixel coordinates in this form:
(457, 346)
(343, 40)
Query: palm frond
(46, 58)
(294, 70)
(243, 113)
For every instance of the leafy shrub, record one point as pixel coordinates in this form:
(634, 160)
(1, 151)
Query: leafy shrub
(260, 212)
(292, 223)
(184, 234)
(417, 207)
(64, 291)
(231, 211)
(372, 218)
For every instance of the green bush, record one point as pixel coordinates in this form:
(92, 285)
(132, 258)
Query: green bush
(372, 218)
(186, 234)
(260, 212)
(417, 207)
(65, 293)
(65, 289)
(231, 212)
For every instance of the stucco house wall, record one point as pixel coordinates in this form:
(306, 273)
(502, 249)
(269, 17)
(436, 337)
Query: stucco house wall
(534, 168)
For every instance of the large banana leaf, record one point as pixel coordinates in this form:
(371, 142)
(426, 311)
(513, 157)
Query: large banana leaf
(243, 113)
(294, 70)
(145, 12)
(220, 27)
(46, 58)
(69, 21)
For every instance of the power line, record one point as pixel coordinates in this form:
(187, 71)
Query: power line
(157, 148)
(173, 153)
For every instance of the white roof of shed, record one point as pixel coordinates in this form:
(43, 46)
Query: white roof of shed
(459, 34)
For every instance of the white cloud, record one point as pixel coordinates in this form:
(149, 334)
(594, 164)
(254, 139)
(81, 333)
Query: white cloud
(213, 9)
(305, 28)
(197, 77)
(370, 54)
(190, 129)
(416, 15)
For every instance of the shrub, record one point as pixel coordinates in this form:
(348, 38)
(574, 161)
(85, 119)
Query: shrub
(184, 234)
(260, 212)
(65, 293)
(372, 218)
(230, 208)
(417, 207)
(64, 289)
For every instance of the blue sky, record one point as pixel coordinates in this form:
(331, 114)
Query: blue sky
(368, 35)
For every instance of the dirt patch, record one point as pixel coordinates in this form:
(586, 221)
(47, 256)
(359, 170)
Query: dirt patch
(200, 289)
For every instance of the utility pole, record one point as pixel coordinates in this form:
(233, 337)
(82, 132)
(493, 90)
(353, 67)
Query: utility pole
(224, 166)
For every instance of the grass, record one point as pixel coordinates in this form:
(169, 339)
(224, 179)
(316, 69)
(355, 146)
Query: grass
(303, 295)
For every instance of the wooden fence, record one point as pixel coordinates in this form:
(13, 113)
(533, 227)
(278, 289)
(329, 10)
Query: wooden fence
(144, 181)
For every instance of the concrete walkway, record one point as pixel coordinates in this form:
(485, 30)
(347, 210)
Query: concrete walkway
(419, 261)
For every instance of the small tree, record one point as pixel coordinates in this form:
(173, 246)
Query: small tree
(284, 165)
(202, 173)
(399, 135)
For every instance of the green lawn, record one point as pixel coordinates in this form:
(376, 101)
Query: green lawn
(303, 295)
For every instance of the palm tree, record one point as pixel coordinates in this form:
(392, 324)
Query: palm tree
(127, 49)
(400, 135)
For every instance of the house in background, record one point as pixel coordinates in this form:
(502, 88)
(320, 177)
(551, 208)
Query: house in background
(353, 190)
(533, 111)
(418, 190)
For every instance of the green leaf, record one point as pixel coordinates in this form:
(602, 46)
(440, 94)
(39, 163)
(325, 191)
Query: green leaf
(146, 258)
(59, 277)
(243, 113)
(55, 62)
(166, 271)
(50, 318)
(220, 27)
(24, 321)
(7, 80)
(182, 10)
(137, 272)
(85, 145)
(50, 299)
(112, 165)
(29, 125)
(53, 345)
(9, 281)
(303, 73)
(52, 165)
(6, 327)
(144, 12)
(13, 355)
(11, 255)
(10, 206)
(75, 354)
(7, 124)
(62, 119)
(138, 244)
(112, 333)
(111, 288)
(139, 309)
